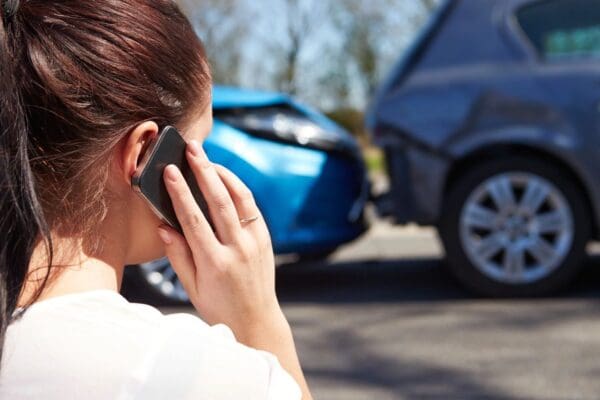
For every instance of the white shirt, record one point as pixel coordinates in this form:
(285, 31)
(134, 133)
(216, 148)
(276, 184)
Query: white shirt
(97, 345)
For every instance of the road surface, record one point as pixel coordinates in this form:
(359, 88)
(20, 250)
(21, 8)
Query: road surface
(383, 320)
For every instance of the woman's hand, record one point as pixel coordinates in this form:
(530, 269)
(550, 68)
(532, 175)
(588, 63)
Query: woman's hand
(229, 273)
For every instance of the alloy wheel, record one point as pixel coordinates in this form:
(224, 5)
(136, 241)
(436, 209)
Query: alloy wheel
(516, 227)
(161, 277)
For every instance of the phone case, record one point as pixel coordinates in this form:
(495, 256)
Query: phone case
(168, 148)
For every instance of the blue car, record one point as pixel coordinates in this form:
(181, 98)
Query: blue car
(306, 172)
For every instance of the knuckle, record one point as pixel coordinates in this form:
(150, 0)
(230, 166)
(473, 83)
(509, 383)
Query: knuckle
(248, 251)
(202, 164)
(178, 192)
(214, 257)
(223, 266)
(246, 195)
(221, 201)
(205, 165)
(193, 221)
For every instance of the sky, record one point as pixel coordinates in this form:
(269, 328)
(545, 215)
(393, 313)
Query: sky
(263, 39)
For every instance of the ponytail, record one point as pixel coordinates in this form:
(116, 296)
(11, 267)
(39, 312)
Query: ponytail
(21, 217)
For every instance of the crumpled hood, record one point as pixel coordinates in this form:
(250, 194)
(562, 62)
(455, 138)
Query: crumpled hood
(225, 97)
(232, 97)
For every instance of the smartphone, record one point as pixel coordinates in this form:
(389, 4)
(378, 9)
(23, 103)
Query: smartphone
(167, 148)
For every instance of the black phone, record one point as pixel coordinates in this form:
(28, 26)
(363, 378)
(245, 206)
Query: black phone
(167, 148)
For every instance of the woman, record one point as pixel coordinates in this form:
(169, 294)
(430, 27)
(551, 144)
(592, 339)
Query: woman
(84, 86)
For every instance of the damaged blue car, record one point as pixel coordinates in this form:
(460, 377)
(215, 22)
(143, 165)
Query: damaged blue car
(307, 175)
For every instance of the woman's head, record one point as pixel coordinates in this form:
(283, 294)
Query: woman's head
(83, 86)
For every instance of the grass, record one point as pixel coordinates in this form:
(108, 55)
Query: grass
(374, 159)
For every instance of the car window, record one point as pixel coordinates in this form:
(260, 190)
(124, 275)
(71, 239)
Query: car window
(563, 29)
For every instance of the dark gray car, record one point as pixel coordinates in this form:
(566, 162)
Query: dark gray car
(491, 130)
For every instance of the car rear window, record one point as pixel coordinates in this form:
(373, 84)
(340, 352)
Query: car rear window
(563, 29)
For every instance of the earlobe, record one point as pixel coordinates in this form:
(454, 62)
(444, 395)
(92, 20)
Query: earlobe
(135, 145)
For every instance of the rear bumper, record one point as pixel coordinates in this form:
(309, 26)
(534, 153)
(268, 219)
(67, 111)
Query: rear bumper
(416, 186)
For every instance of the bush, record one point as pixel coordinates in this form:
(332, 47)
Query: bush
(352, 120)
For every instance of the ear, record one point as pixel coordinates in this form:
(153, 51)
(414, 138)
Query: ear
(134, 147)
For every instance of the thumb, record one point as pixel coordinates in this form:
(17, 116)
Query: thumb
(180, 256)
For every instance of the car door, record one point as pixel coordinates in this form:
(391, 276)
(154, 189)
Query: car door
(563, 39)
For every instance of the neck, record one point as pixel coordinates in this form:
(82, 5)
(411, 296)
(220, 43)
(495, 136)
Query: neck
(74, 269)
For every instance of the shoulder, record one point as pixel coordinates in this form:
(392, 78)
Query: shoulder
(84, 317)
(76, 346)
(137, 351)
(195, 360)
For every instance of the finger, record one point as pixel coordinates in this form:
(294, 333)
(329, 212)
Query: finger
(196, 228)
(246, 205)
(180, 256)
(240, 193)
(222, 210)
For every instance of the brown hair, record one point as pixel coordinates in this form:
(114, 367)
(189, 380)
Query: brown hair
(75, 77)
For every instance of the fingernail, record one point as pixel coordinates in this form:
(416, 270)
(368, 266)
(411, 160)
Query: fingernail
(172, 173)
(164, 235)
(194, 148)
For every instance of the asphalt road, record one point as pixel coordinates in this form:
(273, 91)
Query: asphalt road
(383, 320)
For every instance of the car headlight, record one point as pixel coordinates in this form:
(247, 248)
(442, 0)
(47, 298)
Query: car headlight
(291, 126)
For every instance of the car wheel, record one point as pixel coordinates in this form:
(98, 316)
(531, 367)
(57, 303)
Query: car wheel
(316, 256)
(515, 227)
(155, 282)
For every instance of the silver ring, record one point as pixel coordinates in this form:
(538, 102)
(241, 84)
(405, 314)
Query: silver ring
(246, 220)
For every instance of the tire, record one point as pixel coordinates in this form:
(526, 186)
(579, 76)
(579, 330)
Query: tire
(139, 285)
(317, 256)
(508, 255)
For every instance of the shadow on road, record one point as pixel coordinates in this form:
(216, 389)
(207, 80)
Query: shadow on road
(430, 340)
(399, 280)
(394, 376)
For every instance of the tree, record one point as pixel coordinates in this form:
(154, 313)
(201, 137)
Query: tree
(302, 19)
(330, 53)
(373, 33)
(222, 25)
